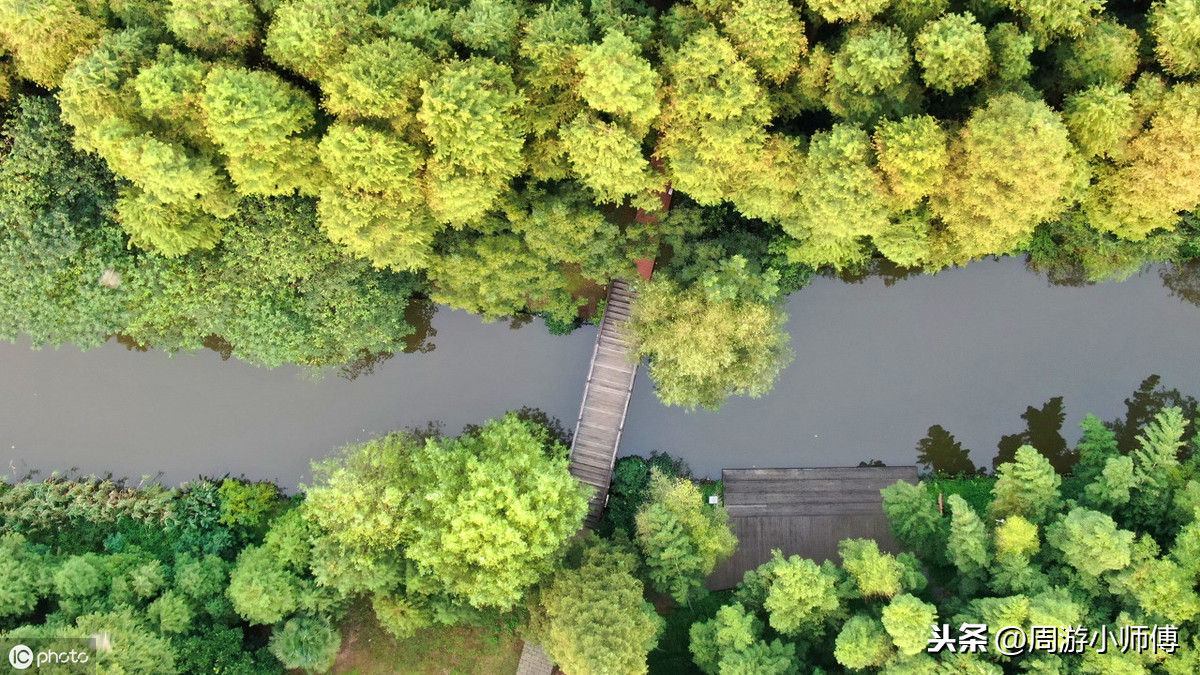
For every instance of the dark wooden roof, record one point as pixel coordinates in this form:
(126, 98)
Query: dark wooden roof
(803, 511)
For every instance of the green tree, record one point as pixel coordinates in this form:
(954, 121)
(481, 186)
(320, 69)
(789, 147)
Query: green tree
(567, 227)
(306, 642)
(310, 36)
(681, 538)
(1012, 166)
(377, 79)
(1090, 542)
(469, 113)
(1026, 487)
(953, 52)
(1105, 54)
(702, 351)
(863, 643)
(1177, 37)
(261, 588)
(375, 207)
(873, 573)
(1101, 120)
(713, 127)
(871, 75)
(22, 577)
(768, 34)
(1159, 178)
(45, 36)
(488, 26)
(593, 618)
(222, 27)
(614, 78)
(1050, 20)
(842, 198)
(279, 292)
(607, 158)
(80, 576)
(497, 505)
(968, 542)
(260, 121)
(801, 597)
(732, 642)
(914, 518)
(1011, 49)
(907, 620)
(500, 275)
(912, 152)
(56, 234)
(170, 612)
(550, 47)
(847, 10)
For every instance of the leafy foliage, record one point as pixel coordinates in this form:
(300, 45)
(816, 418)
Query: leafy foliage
(953, 52)
(593, 618)
(475, 145)
(681, 538)
(495, 508)
(703, 350)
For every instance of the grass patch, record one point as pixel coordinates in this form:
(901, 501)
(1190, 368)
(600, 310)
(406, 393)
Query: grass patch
(671, 656)
(367, 649)
(976, 490)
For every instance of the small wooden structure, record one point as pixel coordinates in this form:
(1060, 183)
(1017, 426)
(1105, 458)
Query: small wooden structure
(605, 402)
(803, 511)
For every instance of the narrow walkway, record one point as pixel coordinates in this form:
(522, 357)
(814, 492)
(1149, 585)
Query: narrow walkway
(605, 402)
(534, 661)
(601, 421)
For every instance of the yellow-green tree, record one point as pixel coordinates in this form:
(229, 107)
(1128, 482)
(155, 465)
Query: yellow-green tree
(703, 351)
(593, 618)
(681, 537)
(1012, 166)
(1161, 176)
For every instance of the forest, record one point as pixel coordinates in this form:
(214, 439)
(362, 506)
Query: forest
(286, 178)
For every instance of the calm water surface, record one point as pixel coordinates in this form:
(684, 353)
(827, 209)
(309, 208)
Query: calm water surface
(875, 367)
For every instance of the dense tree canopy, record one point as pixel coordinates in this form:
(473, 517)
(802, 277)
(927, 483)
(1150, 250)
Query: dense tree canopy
(593, 618)
(481, 516)
(491, 154)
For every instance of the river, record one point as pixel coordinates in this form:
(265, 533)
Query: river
(875, 366)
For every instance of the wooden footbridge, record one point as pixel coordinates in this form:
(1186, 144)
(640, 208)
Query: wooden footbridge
(605, 402)
(602, 414)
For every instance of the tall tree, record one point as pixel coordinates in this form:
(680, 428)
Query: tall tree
(482, 516)
(953, 52)
(614, 78)
(469, 113)
(769, 35)
(1160, 177)
(593, 618)
(681, 538)
(842, 198)
(732, 642)
(702, 350)
(713, 127)
(1176, 35)
(1012, 166)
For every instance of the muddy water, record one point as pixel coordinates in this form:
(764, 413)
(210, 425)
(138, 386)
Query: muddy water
(875, 366)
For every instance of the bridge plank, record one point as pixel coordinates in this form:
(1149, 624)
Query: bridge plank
(605, 401)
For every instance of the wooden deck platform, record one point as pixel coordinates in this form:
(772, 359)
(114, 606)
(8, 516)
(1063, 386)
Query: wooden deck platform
(605, 402)
(803, 511)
